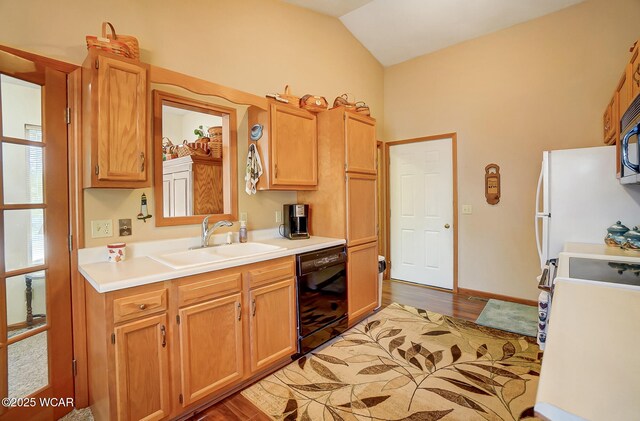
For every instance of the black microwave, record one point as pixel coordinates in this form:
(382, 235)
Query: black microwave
(629, 151)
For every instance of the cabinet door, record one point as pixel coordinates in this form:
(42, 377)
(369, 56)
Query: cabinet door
(142, 369)
(635, 73)
(273, 323)
(624, 91)
(167, 195)
(181, 194)
(362, 224)
(210, 346)
(360, 135)
(362, 280)
(121, 120)
(611, 121)
(294, 147)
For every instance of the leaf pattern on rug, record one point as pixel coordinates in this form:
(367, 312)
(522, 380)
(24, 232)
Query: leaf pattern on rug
(407, 364)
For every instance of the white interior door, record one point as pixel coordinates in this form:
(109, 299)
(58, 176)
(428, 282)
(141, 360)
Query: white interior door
(421, 220)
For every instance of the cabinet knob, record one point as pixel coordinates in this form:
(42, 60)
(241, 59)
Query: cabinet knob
(142, 306)
(447, 226)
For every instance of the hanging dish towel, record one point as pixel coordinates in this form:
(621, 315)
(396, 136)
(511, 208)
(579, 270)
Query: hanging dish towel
(544, 307)
(254, 169)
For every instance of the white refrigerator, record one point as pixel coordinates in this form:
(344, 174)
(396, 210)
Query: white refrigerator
(579, 197)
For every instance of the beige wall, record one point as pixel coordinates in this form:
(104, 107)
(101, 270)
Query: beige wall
(253, 45)
(510, 95)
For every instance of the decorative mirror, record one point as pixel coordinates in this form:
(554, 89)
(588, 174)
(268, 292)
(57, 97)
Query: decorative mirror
(195, 139)
(195, 134)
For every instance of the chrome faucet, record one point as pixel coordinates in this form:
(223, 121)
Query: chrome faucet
(208, 232)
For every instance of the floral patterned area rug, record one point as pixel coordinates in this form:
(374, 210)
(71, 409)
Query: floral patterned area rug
(407, 364)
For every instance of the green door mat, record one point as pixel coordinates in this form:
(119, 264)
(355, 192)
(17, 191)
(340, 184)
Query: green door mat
(512, 317)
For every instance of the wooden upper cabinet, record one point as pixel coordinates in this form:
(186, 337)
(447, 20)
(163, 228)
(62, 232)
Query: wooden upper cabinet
(623, 91)
(288, 147)
(115, 122)
(272, 323)
(360, 143)
(142, 369)
(294, 146)
(611, 121)
(634, 70)
(211, 354)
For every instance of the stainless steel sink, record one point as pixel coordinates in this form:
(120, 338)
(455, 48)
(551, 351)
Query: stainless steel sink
(208, 255)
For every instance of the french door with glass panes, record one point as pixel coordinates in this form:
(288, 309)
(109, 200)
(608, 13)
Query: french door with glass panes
(35, 315)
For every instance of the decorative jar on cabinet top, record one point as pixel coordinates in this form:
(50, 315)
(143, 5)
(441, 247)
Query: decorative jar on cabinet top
(615, 235)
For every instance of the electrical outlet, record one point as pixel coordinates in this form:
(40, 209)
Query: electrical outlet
(243, 216)
(467, 209)
(278, 217)
(124, 227)
(101, 228)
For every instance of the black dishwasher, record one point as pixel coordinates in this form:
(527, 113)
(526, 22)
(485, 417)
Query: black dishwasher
(322, 296)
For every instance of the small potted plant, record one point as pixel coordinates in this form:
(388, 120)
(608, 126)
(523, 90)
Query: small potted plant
(201, 132)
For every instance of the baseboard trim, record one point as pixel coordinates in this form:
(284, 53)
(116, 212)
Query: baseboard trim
(415, 284)
(484, 294)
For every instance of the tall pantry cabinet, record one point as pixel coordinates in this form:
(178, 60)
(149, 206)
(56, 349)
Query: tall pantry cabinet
(344, 205)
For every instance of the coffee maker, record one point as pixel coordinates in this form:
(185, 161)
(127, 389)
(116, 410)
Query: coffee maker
(296, 221)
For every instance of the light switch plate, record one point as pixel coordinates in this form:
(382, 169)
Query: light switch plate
(101, 228)
(467, 209)
(278, 217)
(243, 216)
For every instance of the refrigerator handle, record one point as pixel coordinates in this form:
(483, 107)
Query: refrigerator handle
(624, 147)
(538, 215)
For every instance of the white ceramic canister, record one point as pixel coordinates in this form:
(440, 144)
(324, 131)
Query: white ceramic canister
(116, 252)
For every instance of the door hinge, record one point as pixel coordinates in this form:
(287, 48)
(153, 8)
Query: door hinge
(74, 366)
(97, 169)
(97, 64)
(177, 318)
(113, 338)
(67, 115)
(70, 242)
(180, 398)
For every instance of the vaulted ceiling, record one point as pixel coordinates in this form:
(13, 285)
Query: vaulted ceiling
(398, 30)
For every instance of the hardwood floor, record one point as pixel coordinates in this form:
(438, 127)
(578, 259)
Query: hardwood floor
(237, 408)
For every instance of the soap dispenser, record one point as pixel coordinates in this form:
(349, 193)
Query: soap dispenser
(243, 232)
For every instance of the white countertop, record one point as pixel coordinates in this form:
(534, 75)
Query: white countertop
(595, 250)
(139, 269)
(590, 367)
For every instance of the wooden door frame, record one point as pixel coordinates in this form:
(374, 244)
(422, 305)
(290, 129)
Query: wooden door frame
(454, 160)
(381, 204)
(76, 212)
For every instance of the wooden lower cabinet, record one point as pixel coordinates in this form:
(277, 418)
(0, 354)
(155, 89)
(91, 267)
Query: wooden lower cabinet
(210, 346)
(142, 365)
(159, 351)
(273, 323)
(362, 280)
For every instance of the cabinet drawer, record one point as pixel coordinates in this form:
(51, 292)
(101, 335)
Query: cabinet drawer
(139, 305)
(207, 289)
(271, 272)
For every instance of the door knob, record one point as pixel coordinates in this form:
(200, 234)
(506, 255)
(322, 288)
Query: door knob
(447, 226)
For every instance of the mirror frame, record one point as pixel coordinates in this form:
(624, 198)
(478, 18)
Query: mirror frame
(162, 76)
(229, 124)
